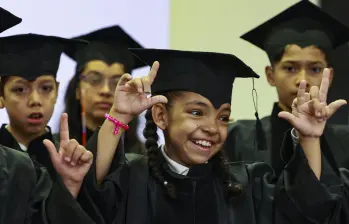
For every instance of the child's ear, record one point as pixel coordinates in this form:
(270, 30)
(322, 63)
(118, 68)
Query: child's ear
(269, 72)
(160, 115)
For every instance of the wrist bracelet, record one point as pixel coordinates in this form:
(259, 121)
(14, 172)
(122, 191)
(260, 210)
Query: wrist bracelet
(117, 123)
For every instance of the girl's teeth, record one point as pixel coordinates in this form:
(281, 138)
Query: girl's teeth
(203, 143)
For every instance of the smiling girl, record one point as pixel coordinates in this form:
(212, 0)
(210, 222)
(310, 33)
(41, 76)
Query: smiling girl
(188, 179)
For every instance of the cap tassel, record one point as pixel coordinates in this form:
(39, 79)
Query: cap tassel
(260, 134)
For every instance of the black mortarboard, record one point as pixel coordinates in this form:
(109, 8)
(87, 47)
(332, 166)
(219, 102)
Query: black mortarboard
(208, 74)
(303, 24)
(109, 45)
(7, 20)
(32, 55)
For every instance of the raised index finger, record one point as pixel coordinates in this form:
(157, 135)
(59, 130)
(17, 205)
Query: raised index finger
(148, 80)
(153, 71)
(64, 129)
(301, 93)
(325, 84)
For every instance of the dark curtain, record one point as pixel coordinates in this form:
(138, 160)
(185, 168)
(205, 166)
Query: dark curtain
(339, 59)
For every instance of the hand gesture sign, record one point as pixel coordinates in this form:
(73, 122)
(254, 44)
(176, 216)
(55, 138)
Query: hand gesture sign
(310, 111)
(72, 161)
(131, 94)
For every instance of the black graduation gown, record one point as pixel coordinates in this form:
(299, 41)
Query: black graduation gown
(241, 142)
(36, 148)
(27, 194)
(130, 195)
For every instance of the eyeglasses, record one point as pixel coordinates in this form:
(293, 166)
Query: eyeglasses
(96, 79)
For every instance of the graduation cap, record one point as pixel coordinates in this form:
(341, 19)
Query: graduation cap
(208, 74)
(303, 24)
(7, 20)
(32, 55)
(110, 45)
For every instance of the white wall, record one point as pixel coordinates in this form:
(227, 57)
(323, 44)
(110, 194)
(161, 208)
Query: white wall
(147, 21)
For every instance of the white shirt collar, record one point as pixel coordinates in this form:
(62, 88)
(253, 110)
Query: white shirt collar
(22, 146)
(174, 166)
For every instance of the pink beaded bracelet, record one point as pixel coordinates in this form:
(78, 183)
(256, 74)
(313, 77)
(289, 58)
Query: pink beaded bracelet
(117, 123)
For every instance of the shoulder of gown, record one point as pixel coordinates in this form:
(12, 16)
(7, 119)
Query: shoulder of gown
(301, 198)
(34, 199)
(337, 137)
(14, 158)
(16, 191)
(241, 140)
(297, 196)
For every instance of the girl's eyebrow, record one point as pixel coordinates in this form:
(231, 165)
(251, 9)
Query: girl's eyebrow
(196, 102)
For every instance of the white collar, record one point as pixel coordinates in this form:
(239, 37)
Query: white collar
(22, 146)
(174, 166)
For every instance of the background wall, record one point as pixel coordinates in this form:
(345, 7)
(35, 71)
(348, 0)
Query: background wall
(216, 26)
(146, 21)
(177, 24)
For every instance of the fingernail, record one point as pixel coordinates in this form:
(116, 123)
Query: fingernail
(140, 90)
(73, 164)
(67, 159)
(318, 114)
